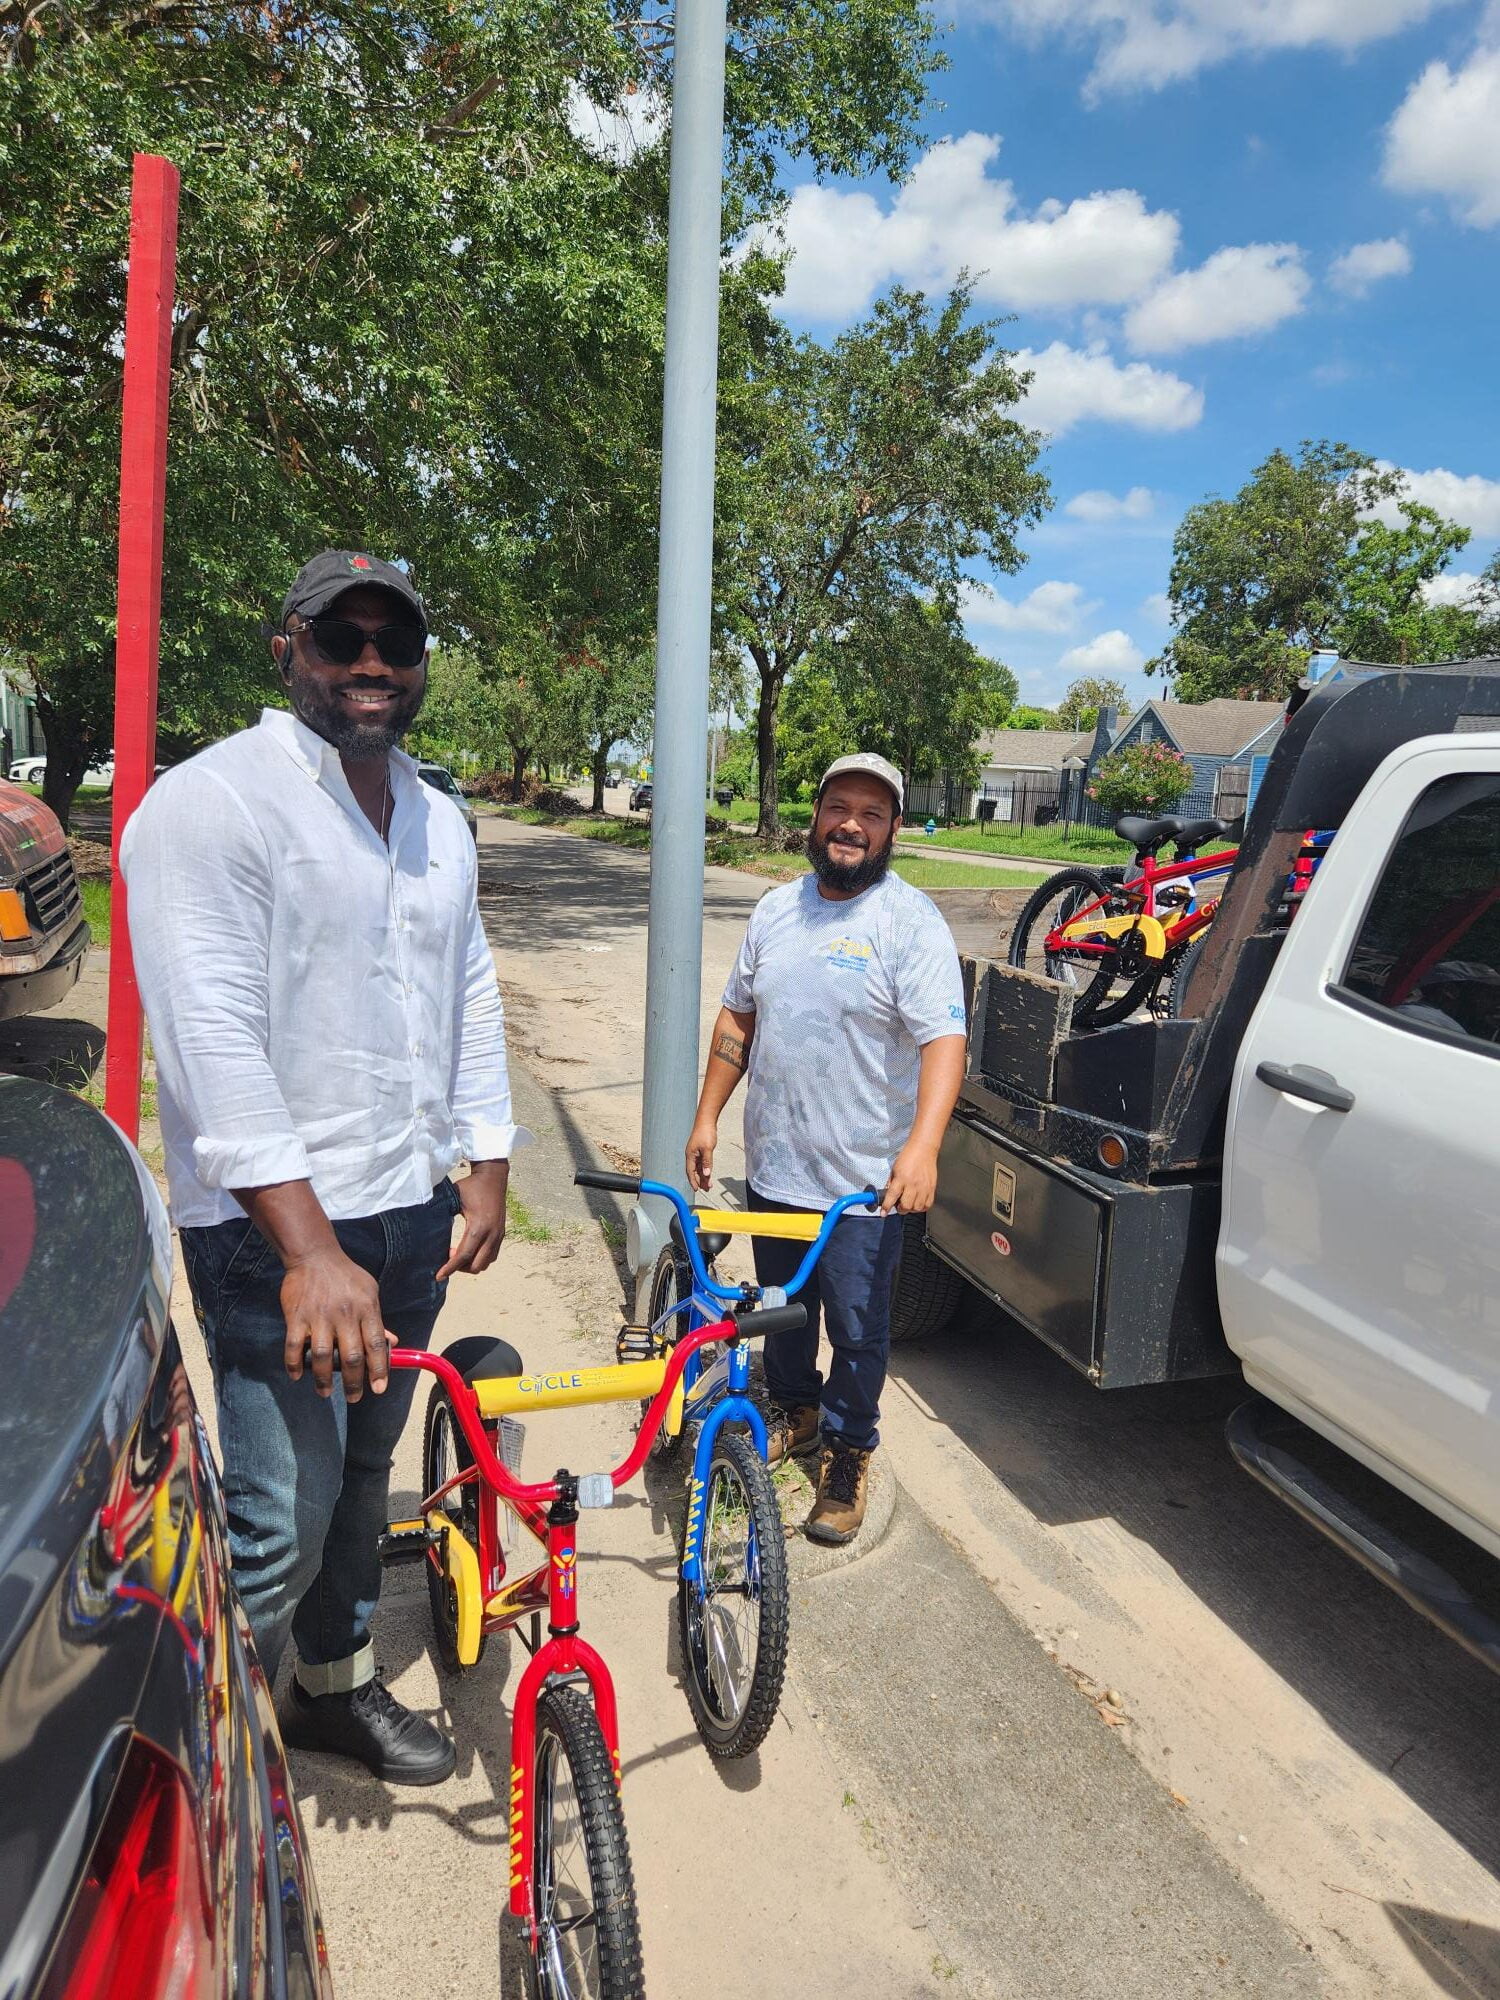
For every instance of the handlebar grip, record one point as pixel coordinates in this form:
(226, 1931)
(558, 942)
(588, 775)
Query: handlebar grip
(611, 1183)
(772, 1319)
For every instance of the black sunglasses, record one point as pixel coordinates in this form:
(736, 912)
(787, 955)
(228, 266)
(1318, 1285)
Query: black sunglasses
(341, 641)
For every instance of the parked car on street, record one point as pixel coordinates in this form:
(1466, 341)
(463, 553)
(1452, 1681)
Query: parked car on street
(43, 936)
(640, 798)
(32, 770)
(442, 780)
(149, 1841)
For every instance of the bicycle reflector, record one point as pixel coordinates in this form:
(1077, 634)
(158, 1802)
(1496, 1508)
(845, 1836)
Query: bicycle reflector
(141, 1927)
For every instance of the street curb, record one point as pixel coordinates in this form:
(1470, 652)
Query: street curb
(806, 1560)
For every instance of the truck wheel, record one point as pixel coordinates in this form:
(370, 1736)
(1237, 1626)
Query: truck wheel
(927, 1292)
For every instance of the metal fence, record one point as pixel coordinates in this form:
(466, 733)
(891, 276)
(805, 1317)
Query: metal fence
(1041, 798)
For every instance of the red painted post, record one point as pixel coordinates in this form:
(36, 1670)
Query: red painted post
(143, 498)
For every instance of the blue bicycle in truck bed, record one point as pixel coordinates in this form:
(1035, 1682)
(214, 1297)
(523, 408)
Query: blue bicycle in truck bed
(732, 1597)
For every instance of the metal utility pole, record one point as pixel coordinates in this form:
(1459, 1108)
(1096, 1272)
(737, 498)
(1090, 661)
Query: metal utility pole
(674, 949)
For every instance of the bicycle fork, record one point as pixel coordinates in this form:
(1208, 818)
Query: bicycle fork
(735, 1407)
(563, 1653)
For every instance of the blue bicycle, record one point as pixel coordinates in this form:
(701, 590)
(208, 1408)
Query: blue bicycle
(733, 1602)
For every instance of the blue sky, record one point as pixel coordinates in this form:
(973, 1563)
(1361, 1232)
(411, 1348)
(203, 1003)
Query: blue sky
(1222, 226)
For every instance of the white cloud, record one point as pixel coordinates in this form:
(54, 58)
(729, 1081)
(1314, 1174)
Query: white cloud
(1111, 653)
(1051, 607)
(1096, 506)
(1240, 290)
(1365, 264)
(632, 127)
(1455, 586)
(1075, 385)
(1468, 498)
(1104, 248)
(1157, 607)
(1445, 138)
(1144, 44)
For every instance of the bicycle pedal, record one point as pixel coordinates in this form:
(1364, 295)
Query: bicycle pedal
(406, 1542)
(636, 1343)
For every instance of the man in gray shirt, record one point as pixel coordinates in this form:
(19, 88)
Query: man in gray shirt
(846, 1007)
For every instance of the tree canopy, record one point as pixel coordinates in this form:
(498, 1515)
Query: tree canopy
(855, 473)
(420, 304)
(1305, 556)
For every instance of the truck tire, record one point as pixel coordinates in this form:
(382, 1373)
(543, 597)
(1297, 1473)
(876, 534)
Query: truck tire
(927, 1292)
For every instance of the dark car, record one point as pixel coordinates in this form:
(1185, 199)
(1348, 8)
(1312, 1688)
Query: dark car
(442, 780)
(640, 798)
(149, 1841)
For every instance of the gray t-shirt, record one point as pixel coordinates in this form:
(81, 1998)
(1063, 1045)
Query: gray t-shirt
(845, 995)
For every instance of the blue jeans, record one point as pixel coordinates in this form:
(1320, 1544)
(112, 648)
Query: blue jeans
(307, 1477)
(850, 1290)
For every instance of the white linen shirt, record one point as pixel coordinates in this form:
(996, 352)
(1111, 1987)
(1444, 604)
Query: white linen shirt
(322, 1006)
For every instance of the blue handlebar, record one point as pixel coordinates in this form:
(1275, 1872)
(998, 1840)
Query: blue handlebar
(866, 1198)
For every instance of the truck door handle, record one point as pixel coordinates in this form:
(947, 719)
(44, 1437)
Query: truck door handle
(1302, 1080)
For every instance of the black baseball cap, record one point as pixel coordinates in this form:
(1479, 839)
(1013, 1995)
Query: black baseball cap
(333, 571)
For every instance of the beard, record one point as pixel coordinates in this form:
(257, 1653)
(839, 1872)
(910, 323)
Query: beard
(851, 878)
(319, 707)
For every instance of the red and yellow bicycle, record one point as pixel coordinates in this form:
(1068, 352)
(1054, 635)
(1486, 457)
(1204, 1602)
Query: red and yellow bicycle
(572, 1894)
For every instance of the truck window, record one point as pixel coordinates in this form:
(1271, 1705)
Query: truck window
(1428, 952)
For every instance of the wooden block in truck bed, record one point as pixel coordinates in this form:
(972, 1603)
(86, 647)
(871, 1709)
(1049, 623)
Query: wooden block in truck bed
(1018, 1022)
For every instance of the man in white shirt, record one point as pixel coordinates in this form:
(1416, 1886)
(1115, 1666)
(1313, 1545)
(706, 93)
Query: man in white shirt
(846, 1005)
(329, 1045)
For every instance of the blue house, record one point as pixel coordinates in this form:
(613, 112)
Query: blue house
(1211, 735)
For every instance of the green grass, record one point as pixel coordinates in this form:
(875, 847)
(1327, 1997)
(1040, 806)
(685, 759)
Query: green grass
(519, 1221)
(745, 812)
(96, 909)
(924, 873)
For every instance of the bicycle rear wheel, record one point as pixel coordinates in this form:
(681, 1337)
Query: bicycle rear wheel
(734, 1623)
(588, 1936)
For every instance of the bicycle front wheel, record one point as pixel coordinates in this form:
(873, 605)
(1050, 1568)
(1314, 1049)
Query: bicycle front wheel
(734, 1623)
(588, 1935)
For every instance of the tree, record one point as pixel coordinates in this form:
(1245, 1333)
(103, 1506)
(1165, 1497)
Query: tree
(1142, 778)
(853, 473)
(1385, 578)
(1080, 705)
(1305, 556)
(1026, 717)
(1255, 581)
(419, 310)
(608, 695)
(903, 681)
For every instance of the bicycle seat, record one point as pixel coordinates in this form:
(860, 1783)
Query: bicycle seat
(1146, 835)
(710, 1241)
(1193, 832)
(479, 1359)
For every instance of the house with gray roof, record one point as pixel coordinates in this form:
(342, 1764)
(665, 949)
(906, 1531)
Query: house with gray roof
(1211, 735)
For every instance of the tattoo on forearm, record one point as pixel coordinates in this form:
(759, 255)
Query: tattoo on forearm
(730, 1049)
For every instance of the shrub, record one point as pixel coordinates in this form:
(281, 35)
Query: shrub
(1144, 778)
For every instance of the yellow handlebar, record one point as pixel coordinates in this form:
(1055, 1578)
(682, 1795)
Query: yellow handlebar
(622, 1382)
(739, 1222)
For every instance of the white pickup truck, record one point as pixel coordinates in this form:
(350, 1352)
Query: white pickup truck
(1301, 1178)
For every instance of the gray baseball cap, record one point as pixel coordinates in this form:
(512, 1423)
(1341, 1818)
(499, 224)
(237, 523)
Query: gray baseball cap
(870, 766)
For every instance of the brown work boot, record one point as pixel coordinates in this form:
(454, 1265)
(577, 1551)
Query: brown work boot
(843, 1482)
(791, 1433)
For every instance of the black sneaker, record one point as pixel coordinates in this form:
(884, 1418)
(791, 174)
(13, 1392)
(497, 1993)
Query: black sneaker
(373, 1728)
